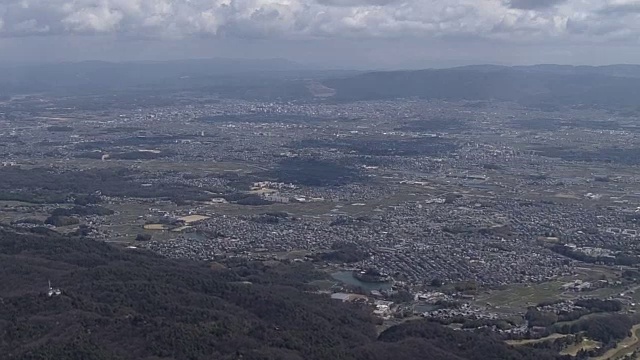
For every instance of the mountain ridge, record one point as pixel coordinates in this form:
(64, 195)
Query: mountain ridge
(278, 79)
(131, 304)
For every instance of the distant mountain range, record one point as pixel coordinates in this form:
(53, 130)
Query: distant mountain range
(553, 84)
(608, 70)
(614, 85)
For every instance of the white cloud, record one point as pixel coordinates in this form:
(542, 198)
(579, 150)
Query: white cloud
(517, 20)
(101, 18)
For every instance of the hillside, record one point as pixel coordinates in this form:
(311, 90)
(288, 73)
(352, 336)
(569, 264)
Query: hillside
(277, 79)
(608, 86)
(129, 304)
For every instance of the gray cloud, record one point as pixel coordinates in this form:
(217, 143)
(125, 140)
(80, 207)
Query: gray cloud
(534, 4)
(357, 2)
(620, 8)
(503, 20)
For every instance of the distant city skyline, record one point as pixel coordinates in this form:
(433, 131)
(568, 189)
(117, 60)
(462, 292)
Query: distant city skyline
(359, 34)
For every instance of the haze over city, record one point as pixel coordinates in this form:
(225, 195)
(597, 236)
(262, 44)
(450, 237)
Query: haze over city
(319, 179)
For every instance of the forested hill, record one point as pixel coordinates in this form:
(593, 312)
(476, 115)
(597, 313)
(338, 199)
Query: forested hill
(279, 80)
(555, 85)
(129, 304)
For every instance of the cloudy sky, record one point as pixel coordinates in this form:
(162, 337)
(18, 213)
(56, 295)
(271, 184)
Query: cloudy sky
(343, 33)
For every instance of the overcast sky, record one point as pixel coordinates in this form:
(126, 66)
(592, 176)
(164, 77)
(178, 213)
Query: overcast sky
(335, 33)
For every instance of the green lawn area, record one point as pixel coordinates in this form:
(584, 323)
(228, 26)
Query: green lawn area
(519, 297)
(534, 341)
(586, 344)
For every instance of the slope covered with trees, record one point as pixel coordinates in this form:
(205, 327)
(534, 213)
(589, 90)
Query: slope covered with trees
(130, 304)
(527, 85)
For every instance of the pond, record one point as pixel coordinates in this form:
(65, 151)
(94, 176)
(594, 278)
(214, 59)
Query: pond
(347, 278)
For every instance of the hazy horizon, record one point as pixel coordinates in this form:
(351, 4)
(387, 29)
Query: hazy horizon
(301, 65)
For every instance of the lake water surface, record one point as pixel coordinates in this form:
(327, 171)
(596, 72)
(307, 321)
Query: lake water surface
(347, 278)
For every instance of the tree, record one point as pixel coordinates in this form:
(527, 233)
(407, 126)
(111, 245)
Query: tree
(144, 237)
(61, 221)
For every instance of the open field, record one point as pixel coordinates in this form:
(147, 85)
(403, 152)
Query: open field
(297, 209)
(534, 341)
(155, 227)
(193, 218)
(518, 297)
(9, 213)
(625, 347)
(149, 165)
(586, 345)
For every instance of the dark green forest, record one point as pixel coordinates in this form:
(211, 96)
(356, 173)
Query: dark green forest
(131, 304)
(49, 185)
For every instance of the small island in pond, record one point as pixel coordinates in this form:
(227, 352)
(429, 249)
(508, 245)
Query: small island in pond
(371, 276)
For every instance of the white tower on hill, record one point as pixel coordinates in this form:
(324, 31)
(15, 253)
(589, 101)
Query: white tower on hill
(53, 292)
